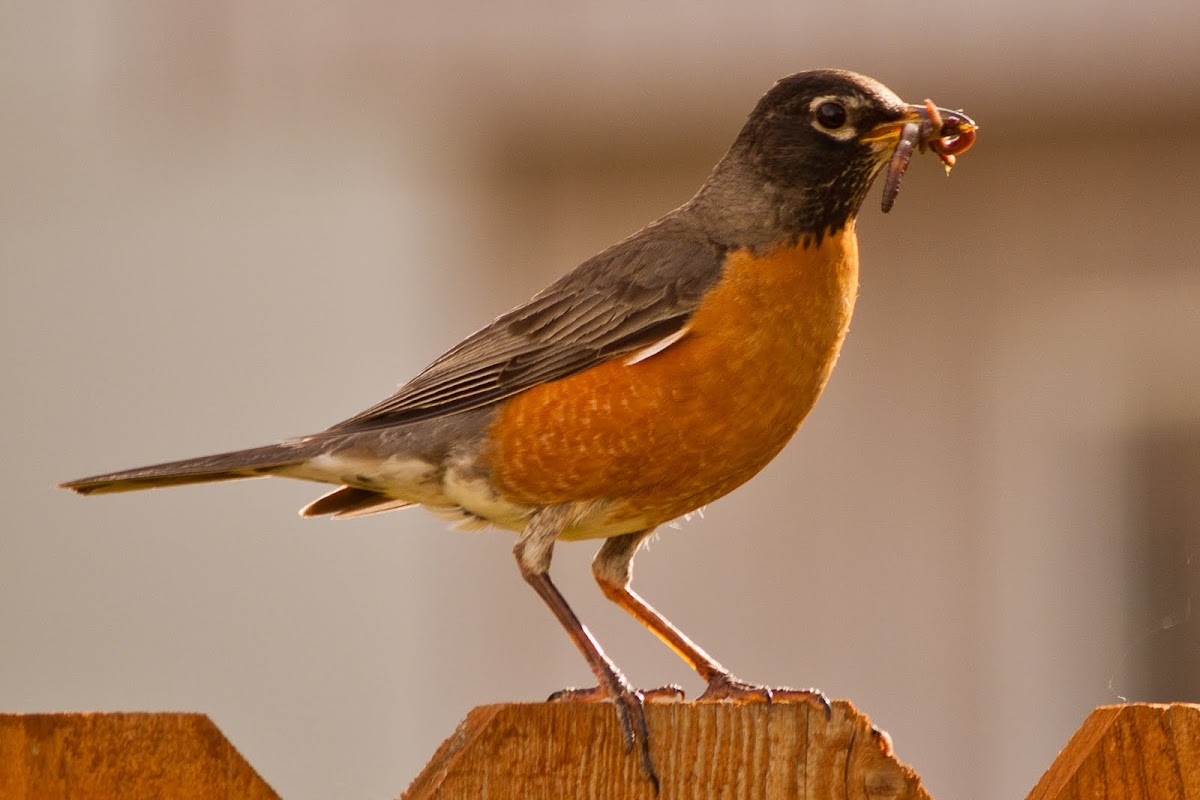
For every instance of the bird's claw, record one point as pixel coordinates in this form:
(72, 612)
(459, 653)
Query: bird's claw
(631, 714)
(814, 697)
(725, 688)
(671, 693)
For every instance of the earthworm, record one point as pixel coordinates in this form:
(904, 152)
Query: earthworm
(910, 136)
(947, 138)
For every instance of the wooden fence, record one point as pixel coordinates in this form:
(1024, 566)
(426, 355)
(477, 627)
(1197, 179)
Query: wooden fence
(548, 750)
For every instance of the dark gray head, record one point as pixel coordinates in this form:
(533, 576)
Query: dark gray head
(807, 155)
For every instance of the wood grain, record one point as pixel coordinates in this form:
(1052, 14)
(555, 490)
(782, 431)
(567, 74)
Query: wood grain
(1139, 751)
(86, 756)
(701, 751)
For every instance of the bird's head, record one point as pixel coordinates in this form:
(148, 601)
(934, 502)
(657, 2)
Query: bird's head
(816, 141)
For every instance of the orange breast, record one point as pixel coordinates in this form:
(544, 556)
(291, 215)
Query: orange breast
(666, 435)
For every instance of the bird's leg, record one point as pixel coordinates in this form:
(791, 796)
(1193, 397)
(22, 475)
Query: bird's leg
(613, 568)
(534, 550)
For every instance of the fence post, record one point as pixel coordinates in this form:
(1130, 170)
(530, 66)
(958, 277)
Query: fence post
(82, 756)
(701, 751)
(1138, 750)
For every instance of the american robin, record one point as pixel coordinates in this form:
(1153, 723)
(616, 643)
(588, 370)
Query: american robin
(652, 379)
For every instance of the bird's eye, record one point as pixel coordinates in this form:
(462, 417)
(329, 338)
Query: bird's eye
(830, 115)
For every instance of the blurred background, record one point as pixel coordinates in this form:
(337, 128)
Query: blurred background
(225, 223)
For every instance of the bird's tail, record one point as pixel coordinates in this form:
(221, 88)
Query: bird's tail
(254, 463)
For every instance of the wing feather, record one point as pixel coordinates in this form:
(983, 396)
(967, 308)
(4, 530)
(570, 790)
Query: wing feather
(627, 298)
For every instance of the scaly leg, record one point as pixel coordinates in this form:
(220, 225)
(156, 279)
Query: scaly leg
(613, 568)
(534, 550)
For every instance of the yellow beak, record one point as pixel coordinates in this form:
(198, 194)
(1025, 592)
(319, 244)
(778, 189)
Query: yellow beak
(952, 123)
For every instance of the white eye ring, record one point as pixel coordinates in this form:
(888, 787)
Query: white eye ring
(843, 132)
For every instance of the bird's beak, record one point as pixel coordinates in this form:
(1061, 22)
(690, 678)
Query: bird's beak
(935, 123)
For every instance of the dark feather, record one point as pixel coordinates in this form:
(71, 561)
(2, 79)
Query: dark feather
(622, 300)
(253, 463)
(350, 501)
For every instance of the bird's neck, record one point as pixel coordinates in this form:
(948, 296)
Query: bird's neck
(746, 209)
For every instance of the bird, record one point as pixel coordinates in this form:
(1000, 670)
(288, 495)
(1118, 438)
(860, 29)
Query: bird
(654, 378)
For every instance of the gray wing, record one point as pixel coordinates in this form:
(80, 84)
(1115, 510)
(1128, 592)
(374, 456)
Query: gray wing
(631, 295)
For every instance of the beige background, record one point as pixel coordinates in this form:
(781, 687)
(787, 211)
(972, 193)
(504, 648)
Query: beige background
(225, 223)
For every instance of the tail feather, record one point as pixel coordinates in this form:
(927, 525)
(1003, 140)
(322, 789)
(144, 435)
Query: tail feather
(253, 463)
(348, 502)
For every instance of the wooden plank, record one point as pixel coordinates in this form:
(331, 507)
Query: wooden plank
(81, 756)
(701, 751)
(1140, 751)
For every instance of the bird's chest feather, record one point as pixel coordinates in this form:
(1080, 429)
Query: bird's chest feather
(663, 435)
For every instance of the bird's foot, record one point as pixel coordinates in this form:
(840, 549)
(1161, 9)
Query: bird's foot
(724, 688)
(631, 714)
(671, 693)
(814, 697)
